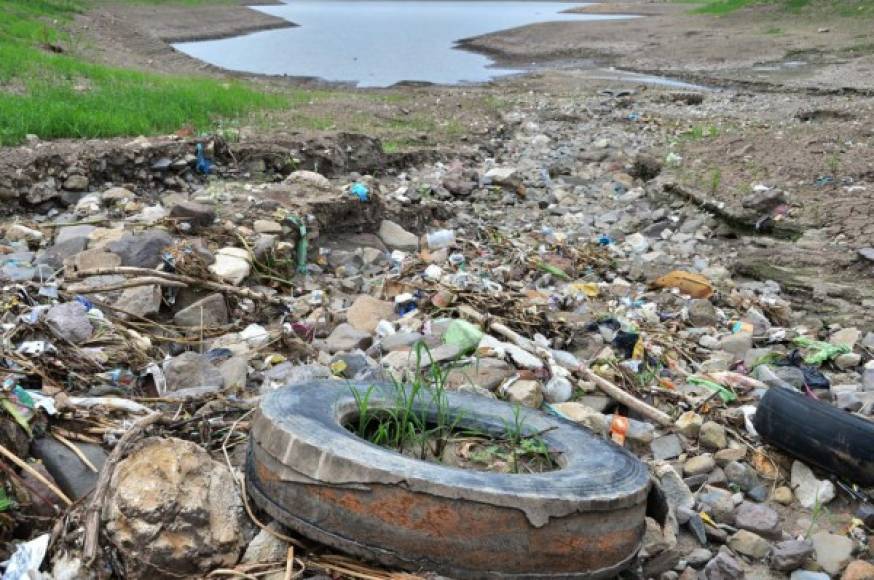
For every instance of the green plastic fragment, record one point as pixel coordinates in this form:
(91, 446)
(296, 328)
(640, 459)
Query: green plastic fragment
(302, 245)
(726, 395)
(822, 351)
(16, 414)
(19, 404)
(554, 270)
(463, 334)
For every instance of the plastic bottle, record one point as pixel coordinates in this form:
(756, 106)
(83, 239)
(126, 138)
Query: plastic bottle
(868, 376)
(440, 239)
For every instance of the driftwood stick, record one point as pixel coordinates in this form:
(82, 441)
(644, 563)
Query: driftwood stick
(609, 388)
(627, 399)
(95, 505)
(29, 485)
(498, 328)
(76, 451)
(147, 281)
(217, 286)
(36, 474)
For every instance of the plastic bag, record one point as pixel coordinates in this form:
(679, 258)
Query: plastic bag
(463, 334)
(724, 394)
(822, 351)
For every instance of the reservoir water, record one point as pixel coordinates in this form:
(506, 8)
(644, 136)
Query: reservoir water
(377, 43)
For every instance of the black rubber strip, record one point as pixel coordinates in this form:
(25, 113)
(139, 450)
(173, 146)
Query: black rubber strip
(819, 434)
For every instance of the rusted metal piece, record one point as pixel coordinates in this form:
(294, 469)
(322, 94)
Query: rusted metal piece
(382, 506)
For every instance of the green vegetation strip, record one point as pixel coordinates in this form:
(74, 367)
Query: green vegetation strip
(56, 95)
(844, 8)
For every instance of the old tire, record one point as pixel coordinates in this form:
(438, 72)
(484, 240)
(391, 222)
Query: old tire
(818, 434)
(585, 520)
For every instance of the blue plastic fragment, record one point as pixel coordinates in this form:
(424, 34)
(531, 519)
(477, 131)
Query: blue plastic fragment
(360, 190)
(203, 165)
(84, 302)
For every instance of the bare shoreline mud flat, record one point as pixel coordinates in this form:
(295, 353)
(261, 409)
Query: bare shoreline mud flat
(605, 249)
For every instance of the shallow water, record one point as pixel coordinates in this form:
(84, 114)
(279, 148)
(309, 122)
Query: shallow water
(377, 43)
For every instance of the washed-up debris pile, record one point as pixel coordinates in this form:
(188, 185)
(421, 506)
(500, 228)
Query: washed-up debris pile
(141, 329)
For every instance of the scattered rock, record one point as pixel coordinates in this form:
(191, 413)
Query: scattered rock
(689, 424)
(847, 337)
(749, 544)
(723, 567)
(712, 436)
(725, 456)
(558, 390)
(790, 555)
(702, 313)
(676, 491)
(20, 233)
(266, 547)
(847, 361)
(366, 312)
(95, 258)
(522, 358)
(397, 238)
(833, 552)
(783, 495)
(208, 312)
(699, 465)
(345, 337)
(858, 570)
(808, 489)
(309, 178)
(141, 250)
(70, 320)
(501, 175)
(808, 575)
(142, 301)
(267, 227)
(699, 557)
(487, 373)
(666, 447)
(526, 393)
(196, 215)
(742, 475)
(191, 369)
(719, 503)
(758, 518)
(737, 344)
(579, 413)
(174, 511)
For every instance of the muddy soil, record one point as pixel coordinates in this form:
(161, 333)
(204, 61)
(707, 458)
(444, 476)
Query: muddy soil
(139, 37)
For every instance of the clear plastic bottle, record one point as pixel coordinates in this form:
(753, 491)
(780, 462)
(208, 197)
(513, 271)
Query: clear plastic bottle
(440, 239)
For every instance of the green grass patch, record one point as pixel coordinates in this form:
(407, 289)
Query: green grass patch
(168, 2)
(699, 132)
(846, 8)
(391, 146)
(57, 95)
(719, 7)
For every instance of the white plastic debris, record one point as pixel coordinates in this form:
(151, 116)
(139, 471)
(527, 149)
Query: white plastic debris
(25, 562)
(255, 335)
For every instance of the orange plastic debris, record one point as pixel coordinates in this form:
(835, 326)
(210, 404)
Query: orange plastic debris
(619, 428)
(695, 285)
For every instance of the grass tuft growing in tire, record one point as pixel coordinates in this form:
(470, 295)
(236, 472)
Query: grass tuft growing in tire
(418, 421)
